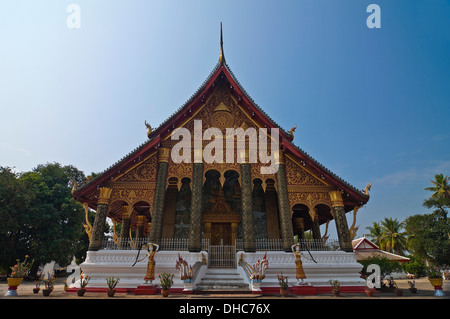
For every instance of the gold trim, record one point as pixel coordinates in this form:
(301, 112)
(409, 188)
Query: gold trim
(164, 155)
(134, 166)
(104, 195)
(336, 199)
(303, 167)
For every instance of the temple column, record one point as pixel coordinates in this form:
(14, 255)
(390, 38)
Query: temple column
(272, 220)
(100, 218)
(160, 194)
(345, 242)
(315, 224)
(140, 226)
(126, 226)
(287, 232)
(248, 229)
(195, 227)
(301, 227)
(169, 210)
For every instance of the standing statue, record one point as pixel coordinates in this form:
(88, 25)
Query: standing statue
(150, 274)
(184, 268)
(299, 272)
(258, 271)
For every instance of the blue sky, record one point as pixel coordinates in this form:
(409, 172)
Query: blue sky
(370, 104)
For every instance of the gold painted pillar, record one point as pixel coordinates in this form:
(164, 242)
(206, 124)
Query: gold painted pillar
(160, 194)
(195, 226)
(100, 218)
(140, 226)
(287, 231)
(248, 229)
(272, 220)
(301, 227)
(315, 224)
(170, 210)
(125, 229)
(345, 242)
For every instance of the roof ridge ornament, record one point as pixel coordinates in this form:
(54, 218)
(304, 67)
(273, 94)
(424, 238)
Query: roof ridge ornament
(222, 55)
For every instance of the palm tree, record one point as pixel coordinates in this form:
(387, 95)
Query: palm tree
(375, 233)
(441, 188)
(392, 238)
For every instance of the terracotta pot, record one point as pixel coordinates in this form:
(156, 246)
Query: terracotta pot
(81, 292)
(336, 293)
(164, 292)
(111, 292)
(413, 290)
(36, 290)
(369, 292)
(398, 292)
(284, 292)
(46, 292)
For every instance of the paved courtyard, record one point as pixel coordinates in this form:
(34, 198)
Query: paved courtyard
(424, 291)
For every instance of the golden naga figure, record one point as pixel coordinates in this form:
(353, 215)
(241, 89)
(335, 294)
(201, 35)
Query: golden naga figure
(291, 132)
(299, 272)
(353, 229)
(149, 129)
(150, 274)
(367, 188)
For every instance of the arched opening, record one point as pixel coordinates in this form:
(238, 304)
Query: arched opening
(183, 209)
(272, 214)
(259, 210)
(140, 219)
(169, 208)
(220, 203)
(301, 220)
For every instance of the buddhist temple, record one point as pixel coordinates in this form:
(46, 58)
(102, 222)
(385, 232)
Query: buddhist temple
(165, 193)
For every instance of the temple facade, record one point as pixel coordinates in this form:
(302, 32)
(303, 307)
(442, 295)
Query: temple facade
(229, 200)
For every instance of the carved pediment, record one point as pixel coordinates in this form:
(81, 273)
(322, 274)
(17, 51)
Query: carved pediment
(296, 175)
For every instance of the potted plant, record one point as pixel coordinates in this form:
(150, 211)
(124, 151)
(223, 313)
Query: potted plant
(112, 283)
(369, 291)
(38, 285)
(49, 283)
(412, 286)
(84, 280)
(166, 283)
(435, 279)
(335, 284)
(398, 291)
(284, 284)
(18, 272)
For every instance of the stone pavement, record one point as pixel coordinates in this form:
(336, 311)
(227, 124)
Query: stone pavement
(93, 305)
(424, 291)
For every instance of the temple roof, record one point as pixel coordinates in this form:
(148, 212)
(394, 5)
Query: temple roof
(365, 249)
(195, 102)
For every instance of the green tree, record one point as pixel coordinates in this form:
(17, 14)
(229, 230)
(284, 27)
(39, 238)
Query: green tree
(42, 219)
(375, 234)
(15, 199)
(393, 239)
(441, 188)
(429, 241)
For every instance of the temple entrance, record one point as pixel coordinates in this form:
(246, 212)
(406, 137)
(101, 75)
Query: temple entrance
(221, 234)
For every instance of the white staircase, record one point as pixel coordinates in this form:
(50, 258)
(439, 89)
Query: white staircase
(222, 280)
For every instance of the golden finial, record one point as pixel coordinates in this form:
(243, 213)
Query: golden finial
(222, 55)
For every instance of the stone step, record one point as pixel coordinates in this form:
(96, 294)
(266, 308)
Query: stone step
(222, 280)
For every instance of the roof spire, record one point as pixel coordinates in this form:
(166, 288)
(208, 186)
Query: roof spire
(222, 55)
